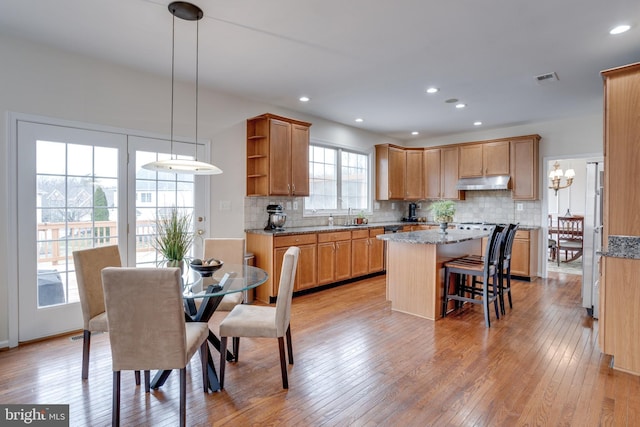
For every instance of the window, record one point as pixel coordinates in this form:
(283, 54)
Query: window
(338, 180)
(145, 197)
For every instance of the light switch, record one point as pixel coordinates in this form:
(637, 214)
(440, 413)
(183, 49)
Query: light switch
(520, 206)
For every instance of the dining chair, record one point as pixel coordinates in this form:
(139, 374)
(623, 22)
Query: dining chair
(264, 321)
(147, 328)
(570, 237)
(552, 244)
(230, 251)
(88, 265)
(487, 267)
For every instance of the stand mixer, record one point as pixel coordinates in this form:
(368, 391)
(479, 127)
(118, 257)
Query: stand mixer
(277, 218)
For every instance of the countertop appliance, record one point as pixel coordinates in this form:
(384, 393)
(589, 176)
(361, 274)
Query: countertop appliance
(592, 237)
(276, 219)
(412, 214)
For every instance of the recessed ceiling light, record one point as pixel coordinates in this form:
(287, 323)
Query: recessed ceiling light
(461, 105)
(620, 29)
(432, 90)
(451, 100)
(477, 123)
(415, 133)
(359, 120)
(304, 99)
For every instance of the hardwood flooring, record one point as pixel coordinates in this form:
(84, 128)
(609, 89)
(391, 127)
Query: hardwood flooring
(359, 363)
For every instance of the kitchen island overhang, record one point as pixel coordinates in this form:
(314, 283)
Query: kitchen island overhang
(415, 273)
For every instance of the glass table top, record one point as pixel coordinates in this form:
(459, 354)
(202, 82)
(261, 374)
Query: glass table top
(228, 279)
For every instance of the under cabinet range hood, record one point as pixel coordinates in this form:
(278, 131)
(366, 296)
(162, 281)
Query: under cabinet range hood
(499, 182)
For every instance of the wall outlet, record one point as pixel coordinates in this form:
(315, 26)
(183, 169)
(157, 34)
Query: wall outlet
(519, 206)
(288, 206)
(295, 206)
(419, 205)
(376, 206)
(393, 206)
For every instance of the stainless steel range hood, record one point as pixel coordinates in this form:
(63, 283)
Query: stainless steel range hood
(500, 182)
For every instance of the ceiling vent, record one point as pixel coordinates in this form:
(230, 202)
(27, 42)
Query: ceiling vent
(547, 78)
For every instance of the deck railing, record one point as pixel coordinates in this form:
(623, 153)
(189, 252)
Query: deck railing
(58, 240)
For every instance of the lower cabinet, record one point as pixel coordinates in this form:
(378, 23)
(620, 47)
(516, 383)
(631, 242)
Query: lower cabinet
(524, 254)
(334, 257)
(367, 252)
(306, 273)
(324, 257)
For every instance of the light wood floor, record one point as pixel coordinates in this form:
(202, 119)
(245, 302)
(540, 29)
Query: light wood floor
(359, 363)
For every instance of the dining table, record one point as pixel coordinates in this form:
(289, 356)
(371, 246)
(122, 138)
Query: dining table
(202, 293)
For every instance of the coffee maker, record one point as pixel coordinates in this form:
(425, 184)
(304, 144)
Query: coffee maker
(276, 219)
(412, 212)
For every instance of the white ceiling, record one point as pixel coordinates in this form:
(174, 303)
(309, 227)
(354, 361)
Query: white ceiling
(363, 58)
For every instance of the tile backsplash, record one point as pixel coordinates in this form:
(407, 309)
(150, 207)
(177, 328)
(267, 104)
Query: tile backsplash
(489, 206)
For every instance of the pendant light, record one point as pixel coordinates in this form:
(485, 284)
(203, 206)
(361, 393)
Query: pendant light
(188, 12)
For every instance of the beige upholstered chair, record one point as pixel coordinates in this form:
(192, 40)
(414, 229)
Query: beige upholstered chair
(230, 251)
(88, 264)
(147, 328)
(263, 321)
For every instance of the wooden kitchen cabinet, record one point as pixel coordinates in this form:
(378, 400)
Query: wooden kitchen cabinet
(306, 273)
(524, 254)
(524, 168)
(277, 156)
(325, 258)
(484, 159)
(399, 174)
(367, 252)
(414, 177)
(334, 257)
(441, 173)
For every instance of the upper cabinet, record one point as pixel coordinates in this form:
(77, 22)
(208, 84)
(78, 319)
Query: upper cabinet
(399, 174)
(273, 142)
(438, 169)
(524, 168)
(484, 159)
(441, 173)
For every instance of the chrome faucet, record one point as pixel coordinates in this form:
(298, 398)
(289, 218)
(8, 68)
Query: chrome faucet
(349, 216)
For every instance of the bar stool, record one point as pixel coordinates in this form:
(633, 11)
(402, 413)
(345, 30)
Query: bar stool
(487, 268)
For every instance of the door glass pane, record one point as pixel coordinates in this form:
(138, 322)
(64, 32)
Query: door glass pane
(157, 193)
(75, 210)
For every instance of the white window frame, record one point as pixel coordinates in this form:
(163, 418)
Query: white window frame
(343, 210)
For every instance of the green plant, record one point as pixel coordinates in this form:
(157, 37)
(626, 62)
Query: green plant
(174, 236)
(443, 210)
(361, 214)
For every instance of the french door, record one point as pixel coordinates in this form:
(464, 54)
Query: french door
(81, 188)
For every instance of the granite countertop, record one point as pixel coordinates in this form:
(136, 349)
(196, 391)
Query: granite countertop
(326, 229)
(434, 237)
(622, 247)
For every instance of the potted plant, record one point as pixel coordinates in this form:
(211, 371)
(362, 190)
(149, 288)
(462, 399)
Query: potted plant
(174, 237)
(361, 219)
(443, 212)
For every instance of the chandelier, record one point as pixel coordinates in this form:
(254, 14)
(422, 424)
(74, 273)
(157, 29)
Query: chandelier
(188, 12)
(556, 176)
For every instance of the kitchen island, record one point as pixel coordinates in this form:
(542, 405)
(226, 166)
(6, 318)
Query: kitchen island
(415, 272)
